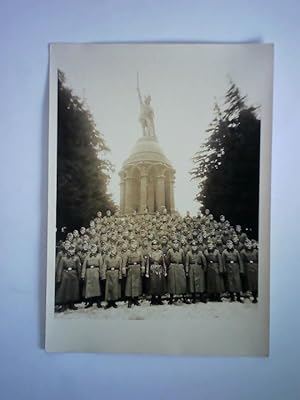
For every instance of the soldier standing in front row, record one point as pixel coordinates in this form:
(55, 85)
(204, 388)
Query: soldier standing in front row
(249, 256)
(215, 284)
(123, 254)
(156, 273)
(144, 249)
(62, 252)
(133, 269)
(67, 280)
(234, 267)
(196, 267)
(82, 254)
(102, 231)
(112, 273)
(176, 272)
(164, 245)
(91, 275)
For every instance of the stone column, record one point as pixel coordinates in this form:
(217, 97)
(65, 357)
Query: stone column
(150, 195)
(172, 201)
(122, 193)
(143, 190)
(160, 192)
(128, 194)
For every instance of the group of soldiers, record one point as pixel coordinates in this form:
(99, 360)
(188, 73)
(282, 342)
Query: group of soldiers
(155, 257)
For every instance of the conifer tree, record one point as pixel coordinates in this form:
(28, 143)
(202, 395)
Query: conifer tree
(83, 171)
(227, 165)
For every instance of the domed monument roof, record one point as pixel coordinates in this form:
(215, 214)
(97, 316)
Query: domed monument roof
(146, 149)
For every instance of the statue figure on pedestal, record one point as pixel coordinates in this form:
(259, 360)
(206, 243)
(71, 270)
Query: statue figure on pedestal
(146, 113)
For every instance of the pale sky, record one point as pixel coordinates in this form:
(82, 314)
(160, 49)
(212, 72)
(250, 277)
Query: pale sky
(183, 81)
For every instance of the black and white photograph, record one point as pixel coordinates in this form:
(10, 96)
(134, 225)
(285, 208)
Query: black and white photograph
(159, 198)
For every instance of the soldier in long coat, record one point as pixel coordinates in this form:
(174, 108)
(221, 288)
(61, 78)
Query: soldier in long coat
(67, 280)
(133, 269)
(233, 267)
(215, 284)
(144, 249)
(123, 252)
(156, 273)
(176, 272)
(195, 264)
(184, 246)
(63, 251)
(91, 274)
(219, 244)
(236, 242)
(249, 256)
(164, 246)
(239, 247)
(112, 273)
(82, 254)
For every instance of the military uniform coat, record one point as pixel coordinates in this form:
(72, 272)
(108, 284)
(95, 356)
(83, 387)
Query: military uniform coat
(220, 248)
(59, 256)
(201, 247)
(176, 272)
(233, 267)
(238, 246)
(91, 272)
(67, 279)
(186, 248)
(145, 282)
(82, 255)
(156, 270)
(215, 283)
(196, 267)
(164, 249)
(145, 253)
(134, 269)
(112, 273)
(250, 260)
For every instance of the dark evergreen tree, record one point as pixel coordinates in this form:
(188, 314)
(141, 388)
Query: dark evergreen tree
(227, 165)
(83, 172)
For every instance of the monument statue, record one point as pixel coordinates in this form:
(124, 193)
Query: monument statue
(146, 113)
(147, 177)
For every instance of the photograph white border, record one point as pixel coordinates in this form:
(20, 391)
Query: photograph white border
(216, 337)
